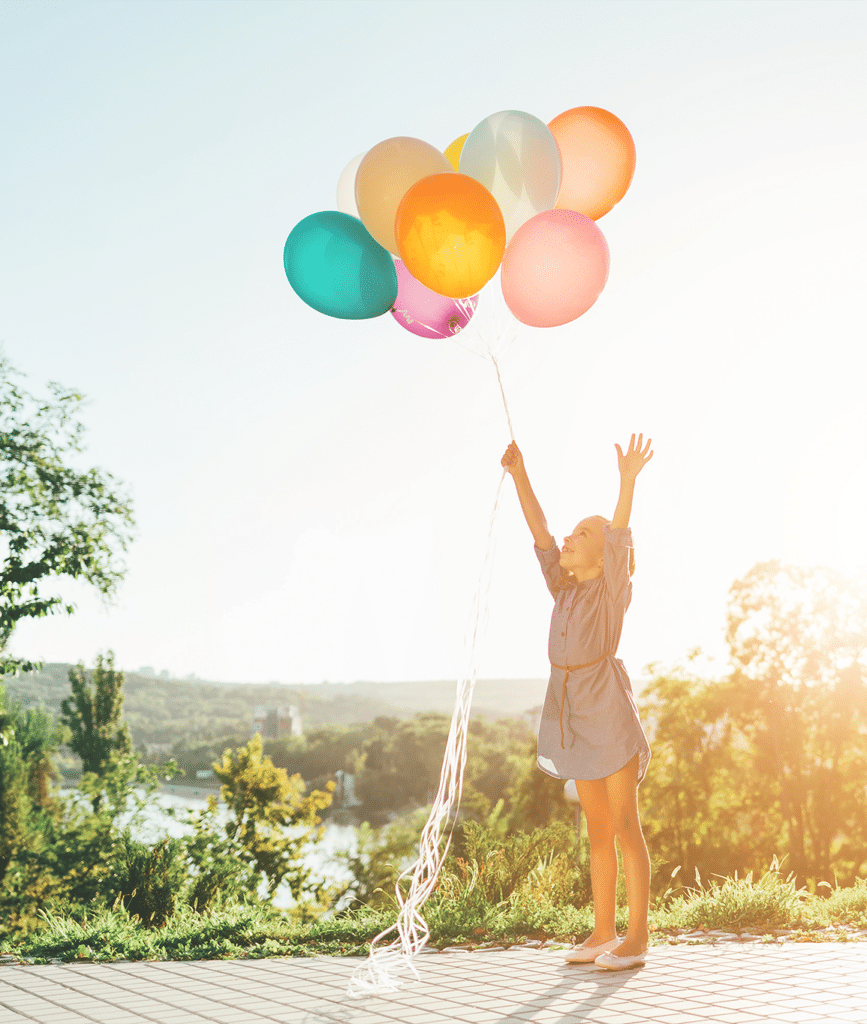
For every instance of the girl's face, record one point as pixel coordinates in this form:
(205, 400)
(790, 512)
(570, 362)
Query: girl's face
(581, 552)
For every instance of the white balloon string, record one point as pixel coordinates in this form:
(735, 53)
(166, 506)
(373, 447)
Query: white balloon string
(494, 322)
(503, 393)
(380, 971)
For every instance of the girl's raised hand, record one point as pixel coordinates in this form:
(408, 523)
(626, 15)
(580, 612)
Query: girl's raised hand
(632, 463)
(513, 460)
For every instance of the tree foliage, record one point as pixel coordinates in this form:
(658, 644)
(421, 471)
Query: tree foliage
(270, 818)
(771, 759)
(692, 798)
(798, 639)
(400, 763)
(93, 715)
(766, 761)
(30, 739)
(56, 520)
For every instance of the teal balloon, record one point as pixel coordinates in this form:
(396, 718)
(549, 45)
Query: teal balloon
(335, 265)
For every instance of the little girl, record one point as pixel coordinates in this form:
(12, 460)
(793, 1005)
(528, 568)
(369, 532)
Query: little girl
(590, 733)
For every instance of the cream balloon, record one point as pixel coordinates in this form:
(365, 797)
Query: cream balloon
(515, 156)
(386, 173)
(346, 187)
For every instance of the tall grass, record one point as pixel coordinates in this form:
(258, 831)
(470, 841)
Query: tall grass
(490, 891)
(739, 904)
(228, 931)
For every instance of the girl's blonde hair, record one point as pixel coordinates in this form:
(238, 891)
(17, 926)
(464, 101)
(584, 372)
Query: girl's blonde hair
(567, 580)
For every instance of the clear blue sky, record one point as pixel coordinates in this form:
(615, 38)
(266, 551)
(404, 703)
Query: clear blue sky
(313, 495)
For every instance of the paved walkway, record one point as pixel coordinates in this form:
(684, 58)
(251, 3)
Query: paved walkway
(790, 983)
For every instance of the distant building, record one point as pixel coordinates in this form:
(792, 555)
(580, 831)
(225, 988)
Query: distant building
(276, 723)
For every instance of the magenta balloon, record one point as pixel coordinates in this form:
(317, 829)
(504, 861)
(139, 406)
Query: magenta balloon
(426, 313)
(554, 268)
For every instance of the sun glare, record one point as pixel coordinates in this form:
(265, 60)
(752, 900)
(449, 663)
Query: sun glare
(851, 534)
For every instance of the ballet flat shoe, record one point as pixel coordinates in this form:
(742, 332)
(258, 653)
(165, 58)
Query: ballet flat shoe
(619, 963)
(587, 954)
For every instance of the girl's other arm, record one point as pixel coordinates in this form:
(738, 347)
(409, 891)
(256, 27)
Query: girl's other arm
(513, 461)
(630, 464)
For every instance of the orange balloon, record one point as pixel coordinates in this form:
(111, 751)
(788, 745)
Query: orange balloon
(451, 234)
(598, 156)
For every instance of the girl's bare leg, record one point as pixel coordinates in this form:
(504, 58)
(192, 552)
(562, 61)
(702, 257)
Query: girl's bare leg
(603, 858)
(622, 791)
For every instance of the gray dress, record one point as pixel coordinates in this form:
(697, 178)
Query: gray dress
(595, 730)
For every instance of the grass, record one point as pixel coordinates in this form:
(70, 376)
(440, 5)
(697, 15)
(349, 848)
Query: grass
(741, 904)
(236, 931)
(229, 932)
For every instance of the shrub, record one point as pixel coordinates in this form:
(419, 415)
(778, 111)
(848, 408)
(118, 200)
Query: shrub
(147, 880)
(486, 866)
(380, 856)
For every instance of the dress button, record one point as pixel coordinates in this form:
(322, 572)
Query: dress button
(562, 634)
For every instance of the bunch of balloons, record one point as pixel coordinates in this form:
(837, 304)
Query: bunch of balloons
(420, 232)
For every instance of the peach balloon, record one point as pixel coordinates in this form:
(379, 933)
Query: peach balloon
(451, 234)
(555, 268)
(383, 177)
(598, 156)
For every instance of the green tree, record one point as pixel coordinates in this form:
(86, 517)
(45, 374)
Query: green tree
(400, 765)
(533, 799)
(56, 520)
(321, 752)
(39, 738)
(30, 739)
(93, 715)
(264, 802)
(14, 804)
(798, 639)
(63, 861)
(697, 806)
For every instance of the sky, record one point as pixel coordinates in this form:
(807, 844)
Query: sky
(314, 496)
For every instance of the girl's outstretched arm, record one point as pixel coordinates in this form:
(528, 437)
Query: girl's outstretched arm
(630, 464)
(513, 461)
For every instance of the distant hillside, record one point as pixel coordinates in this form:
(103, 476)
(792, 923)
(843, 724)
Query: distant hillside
(162, 710)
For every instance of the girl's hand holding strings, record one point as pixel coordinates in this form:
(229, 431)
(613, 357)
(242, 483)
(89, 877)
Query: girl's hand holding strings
(513, 460)
(636, 457)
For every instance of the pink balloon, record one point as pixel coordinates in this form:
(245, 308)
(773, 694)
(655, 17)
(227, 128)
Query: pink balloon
(426, 313)
(554, 269)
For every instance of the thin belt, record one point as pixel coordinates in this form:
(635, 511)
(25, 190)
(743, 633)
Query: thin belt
(567, 669)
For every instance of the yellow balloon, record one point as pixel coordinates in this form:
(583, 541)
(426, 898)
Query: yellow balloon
(451, 234)
(383, 177)
(453, 153)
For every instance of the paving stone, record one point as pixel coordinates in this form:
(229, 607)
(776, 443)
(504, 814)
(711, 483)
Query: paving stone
(713, 982)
